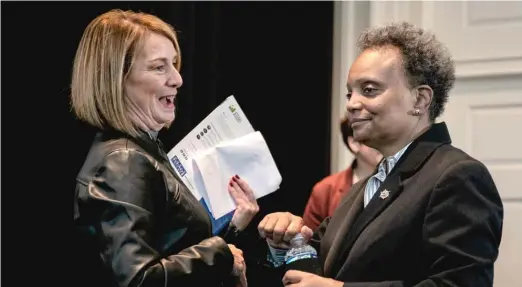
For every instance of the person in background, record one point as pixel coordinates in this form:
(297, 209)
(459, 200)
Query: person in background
(139, 224)
(327, 193)
(431, 214)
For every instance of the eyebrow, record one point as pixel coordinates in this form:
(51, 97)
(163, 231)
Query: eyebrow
(365, 79)
(163, 59)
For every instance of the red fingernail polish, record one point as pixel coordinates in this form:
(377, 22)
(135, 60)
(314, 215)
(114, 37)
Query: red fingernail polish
(236, 176)
(230, 183)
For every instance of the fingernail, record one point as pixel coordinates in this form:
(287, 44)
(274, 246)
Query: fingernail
(230, 184)
(236, 176)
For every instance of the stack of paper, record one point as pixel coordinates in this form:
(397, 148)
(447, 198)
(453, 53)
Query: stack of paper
(222, 145)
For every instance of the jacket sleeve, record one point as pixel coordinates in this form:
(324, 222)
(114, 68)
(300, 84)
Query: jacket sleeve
(462, 230)
(125, 192)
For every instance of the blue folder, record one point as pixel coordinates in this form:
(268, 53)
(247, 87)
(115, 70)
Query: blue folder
(220, 223)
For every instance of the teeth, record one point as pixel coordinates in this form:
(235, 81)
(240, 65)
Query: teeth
(167, 99)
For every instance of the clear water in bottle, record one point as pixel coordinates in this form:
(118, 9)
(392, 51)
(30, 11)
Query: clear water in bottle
(302, 256)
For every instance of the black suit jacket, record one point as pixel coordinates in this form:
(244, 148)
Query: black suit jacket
(440, 225)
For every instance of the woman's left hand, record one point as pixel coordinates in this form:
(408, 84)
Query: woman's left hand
(246, 203)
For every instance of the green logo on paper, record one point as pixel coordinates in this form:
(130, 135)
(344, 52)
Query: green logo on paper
(232, 108)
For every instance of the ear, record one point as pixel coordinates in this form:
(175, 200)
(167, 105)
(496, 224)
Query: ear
(354, 146)
(423, 99)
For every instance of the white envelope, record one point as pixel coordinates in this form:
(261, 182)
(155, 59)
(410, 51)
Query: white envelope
(247, 156)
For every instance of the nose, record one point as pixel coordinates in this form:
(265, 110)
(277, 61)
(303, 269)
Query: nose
(175, 80)
(353, 102)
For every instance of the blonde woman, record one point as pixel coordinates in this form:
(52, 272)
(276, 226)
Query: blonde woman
(137, 218)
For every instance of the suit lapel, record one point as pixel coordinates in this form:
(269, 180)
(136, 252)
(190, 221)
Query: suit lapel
(152, 146)
(355, 205)
(391, 189)
(164, 158)
(155, 148)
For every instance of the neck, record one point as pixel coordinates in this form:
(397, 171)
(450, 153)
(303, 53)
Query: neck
(392, 148)
(144, 122)
(363, 169)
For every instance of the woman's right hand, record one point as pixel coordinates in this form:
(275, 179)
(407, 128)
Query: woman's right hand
(239, 269)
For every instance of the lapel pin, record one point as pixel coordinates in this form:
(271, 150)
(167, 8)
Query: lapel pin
(384, 194)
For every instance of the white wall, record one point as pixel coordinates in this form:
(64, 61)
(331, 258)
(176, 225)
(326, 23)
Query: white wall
(350, 18)
(484, 112)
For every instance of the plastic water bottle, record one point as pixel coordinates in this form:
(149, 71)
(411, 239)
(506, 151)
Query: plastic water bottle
(302, 256)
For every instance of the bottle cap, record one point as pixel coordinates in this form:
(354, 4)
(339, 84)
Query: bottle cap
(297, 240)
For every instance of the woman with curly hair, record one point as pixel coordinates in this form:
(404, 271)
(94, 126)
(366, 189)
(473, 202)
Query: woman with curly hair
(430, 215)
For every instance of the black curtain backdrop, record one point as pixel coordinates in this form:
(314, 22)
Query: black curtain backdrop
(274, 57)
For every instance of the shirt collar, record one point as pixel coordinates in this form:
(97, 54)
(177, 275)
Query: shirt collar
(389, 162)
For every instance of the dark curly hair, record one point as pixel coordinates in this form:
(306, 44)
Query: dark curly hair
(425, 60)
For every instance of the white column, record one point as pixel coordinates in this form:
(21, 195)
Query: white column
(350, 18)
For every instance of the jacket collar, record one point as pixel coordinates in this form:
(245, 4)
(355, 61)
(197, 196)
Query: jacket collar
(422, 147)
(148, 141)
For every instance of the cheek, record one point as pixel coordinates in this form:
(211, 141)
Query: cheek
(379, 105)
(154, 86)
(142, 90)
(387, 108)
(148, 87)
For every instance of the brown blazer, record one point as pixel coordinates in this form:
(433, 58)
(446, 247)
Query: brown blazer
(325, 197)
(441, 224)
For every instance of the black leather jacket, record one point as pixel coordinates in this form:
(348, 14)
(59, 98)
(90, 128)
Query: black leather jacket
(140, 226)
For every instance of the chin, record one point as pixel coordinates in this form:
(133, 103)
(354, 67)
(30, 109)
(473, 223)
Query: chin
(164, 122)
(360, 136)
(168, 124)
(365, 139)
(167, 118)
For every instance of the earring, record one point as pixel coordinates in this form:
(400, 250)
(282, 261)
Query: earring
(416, 112)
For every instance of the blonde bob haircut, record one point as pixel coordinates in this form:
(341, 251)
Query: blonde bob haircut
(102, 63)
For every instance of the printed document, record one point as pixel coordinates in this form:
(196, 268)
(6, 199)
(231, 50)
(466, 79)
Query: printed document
(220, 146)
